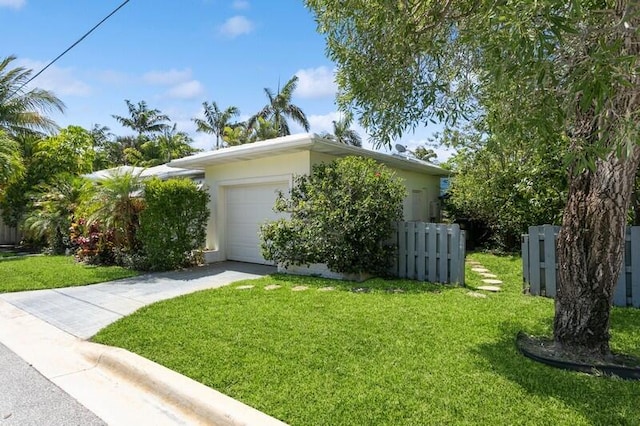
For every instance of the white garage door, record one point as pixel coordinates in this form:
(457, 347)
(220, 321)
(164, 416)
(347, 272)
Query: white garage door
(248, 206)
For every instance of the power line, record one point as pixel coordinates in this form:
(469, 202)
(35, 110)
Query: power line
(113, 12)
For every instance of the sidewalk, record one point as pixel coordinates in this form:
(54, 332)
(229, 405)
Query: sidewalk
(45, 328)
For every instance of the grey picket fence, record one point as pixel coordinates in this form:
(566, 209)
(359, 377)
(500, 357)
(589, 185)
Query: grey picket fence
(429, 252)
(539, 265)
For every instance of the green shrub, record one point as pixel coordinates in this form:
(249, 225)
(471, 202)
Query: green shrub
(173, 224)
(341, 215)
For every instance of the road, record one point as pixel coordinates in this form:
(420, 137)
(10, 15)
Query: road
(27, 398)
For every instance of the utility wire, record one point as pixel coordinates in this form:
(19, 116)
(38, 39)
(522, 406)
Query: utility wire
(113, 12)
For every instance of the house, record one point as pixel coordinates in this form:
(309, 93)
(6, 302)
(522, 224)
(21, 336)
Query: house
(243, 182)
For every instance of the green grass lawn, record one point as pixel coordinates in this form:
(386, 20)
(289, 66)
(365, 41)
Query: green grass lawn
(7, 254)
(428, 355)
(40, 272)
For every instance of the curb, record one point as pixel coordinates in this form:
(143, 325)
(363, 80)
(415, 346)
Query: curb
(204, 405)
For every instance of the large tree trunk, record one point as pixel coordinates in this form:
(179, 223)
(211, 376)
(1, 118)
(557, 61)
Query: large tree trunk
(590, 253)
(591, 240)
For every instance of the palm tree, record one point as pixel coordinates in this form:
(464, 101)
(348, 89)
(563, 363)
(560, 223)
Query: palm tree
(343, 133)
(22, 109)
(280, 108)
(143, 120)
(116, 206)
(215, 120)
(171, 144)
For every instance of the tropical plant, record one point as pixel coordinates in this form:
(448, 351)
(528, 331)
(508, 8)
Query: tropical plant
(11, 164)
(53, 210)
(236, 134)
(565, 71)
(424, 153)
(215, 120)
(341, 215)
(262, 130)
(116, 205)
(343, 133)
(280, 108)
(173, 144)
(22, 109)
(70, 151)
(142, 120)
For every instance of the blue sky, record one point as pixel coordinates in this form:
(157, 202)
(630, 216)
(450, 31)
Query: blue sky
(175, 55)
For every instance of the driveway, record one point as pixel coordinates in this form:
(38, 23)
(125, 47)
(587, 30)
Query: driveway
(82, 311)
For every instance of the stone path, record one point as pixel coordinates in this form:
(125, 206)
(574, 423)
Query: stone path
(491, 281)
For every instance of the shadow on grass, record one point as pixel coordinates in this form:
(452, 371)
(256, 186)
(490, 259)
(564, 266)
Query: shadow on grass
(601, 400)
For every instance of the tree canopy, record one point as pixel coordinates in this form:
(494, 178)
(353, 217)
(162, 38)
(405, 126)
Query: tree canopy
(561, 70)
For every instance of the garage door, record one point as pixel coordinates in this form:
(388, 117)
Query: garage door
(248, 206)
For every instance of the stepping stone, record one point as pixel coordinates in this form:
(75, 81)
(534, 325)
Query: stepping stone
(491, 288)
(272, 287)
(244, 287)
(326, 289)
(474, 263)
(488, 275)
(299, 288)
(479, 270)
(477, 295)
(491, 281)
(395, 290)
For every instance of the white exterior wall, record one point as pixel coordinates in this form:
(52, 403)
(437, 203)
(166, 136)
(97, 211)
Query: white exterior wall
(278, 168)
(422, 189)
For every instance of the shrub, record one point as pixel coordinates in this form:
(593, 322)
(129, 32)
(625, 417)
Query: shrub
(92, 244)
(173, 224)
(341, 215)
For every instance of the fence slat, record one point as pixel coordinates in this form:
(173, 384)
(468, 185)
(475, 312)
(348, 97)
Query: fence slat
(421, 231)
(443, 236)
(635, 266)
(534, 259)
(549, 261)
(463, 250)
(411, 250)
(432, 243)
(402, 250)
(454, 270)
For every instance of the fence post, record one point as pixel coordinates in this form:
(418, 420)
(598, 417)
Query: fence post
(443, 252)
(454, 267)
(534, 260)
(432, 243)
(525, 262)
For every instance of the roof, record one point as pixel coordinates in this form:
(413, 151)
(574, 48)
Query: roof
(301, 142)
(162, 171)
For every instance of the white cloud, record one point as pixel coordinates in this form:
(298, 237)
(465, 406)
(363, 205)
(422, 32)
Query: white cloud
(61, 81)
(316, 83)
(236, 26)
(13, 4)
(168, 77)
(323, 123)
(188, 90)
(240, 4)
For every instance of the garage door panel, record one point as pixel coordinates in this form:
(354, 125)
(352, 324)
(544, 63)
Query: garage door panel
(248, 207)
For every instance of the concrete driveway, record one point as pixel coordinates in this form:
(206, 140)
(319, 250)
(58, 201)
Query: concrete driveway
(82, 311)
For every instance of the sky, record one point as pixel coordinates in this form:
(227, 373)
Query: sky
(175, 55)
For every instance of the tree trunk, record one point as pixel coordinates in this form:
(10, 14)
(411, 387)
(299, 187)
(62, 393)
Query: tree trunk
(590, 253)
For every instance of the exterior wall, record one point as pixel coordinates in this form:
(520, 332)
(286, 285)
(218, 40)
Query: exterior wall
(422, 191)
(422, 196)
(278, 168)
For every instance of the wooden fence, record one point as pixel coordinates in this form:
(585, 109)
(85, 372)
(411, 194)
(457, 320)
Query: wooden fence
(429, 252)
(539, 265)
(8, 235)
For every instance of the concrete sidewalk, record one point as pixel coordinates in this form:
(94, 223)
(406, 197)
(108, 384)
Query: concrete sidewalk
(45, 328)
(82, 311)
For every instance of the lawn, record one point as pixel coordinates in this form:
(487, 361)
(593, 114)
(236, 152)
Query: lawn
(40, 272)
(425, 355)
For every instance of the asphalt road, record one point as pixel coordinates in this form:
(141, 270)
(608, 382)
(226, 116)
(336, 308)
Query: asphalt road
(27, 398)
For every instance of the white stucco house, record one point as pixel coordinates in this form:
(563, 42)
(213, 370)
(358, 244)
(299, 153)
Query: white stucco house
(243, 182)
